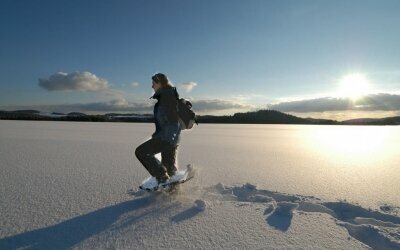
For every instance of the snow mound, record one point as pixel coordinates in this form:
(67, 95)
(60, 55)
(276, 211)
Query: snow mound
(286, 208)
(373, 228)
(375, 237)
(390, 209)
(200, 205)
(347, 212)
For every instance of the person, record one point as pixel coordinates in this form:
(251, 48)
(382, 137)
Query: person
(166, 138)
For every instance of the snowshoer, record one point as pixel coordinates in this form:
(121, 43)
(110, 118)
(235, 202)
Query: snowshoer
(166, 138)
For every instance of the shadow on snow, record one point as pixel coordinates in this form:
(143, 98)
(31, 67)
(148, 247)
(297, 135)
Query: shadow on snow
(73, 231)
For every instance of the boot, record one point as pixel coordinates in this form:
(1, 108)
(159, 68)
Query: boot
(171, 171)
(163, 179)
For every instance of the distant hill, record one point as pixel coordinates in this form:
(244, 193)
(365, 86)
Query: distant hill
(256, 117)
(20, 115)
(262, 117)
(395, 120)
(76, 114)
(360, 121)
(321, 121)
(57, 113)
(126, 114)
(38, 116)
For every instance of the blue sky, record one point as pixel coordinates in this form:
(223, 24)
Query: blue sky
(226, 56)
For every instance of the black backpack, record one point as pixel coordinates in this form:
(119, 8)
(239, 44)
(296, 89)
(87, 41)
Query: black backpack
(187, 117)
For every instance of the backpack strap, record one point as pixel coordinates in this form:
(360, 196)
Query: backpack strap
(178, 99)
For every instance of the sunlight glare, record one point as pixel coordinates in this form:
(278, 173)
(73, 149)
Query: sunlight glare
(354, 86)
(354, 143)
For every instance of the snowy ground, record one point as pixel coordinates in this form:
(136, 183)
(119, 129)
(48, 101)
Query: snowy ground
(74, 185)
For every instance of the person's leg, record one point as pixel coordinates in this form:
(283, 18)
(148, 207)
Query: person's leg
(146, 155)
(168, 159)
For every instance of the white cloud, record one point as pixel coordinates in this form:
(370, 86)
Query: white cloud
(372, 102)
(346, 115)
(218, 105)
(134, 84)
(76, 81)
(114, 93)
(187, 86)
(87, 81)
(114, 105)
(120, 104)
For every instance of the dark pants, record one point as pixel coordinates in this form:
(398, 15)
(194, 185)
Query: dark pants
(146, 155)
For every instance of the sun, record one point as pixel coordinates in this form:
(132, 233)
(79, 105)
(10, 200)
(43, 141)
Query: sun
(354, 86)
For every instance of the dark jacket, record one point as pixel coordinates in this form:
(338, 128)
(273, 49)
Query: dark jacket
(166, 115)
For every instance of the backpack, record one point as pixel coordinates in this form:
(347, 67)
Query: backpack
(187, 117)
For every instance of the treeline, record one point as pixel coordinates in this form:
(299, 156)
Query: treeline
(256, 117)
(7, 115)
(262, 117)
(35, 116)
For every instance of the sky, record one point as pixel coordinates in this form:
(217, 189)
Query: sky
(321, 59)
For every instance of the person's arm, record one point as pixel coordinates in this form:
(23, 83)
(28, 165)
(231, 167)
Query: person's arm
(169, 103)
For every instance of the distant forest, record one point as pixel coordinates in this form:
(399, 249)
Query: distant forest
(256, 117)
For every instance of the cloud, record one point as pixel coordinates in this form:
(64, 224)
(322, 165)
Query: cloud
(347, 115)
(115, 105)
(187, 86)
(76, 81)
(120, 104)
(217, 105)
(87, 81)
(134, 84)
(372, 102)
(114, 93)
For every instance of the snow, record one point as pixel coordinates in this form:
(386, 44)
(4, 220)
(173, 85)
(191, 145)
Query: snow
(75, 185)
